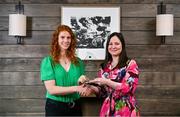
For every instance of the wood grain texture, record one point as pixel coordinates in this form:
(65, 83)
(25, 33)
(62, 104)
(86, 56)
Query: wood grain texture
(21, 105)
(34, 23)
(4, 23)
(42, 10)
(134, 51)
(127, 10)
(23, 94)
(32, 38)
(33, 1)
(158, 92)
(148, 107)
(159, 65)
(145, 78)
(22, 64)
(163, 107)
(144, 24)
(32, 9)
(24, 51)
(142, 92)
(173, 40)
(6, 9)
(89, 1)
(174, 9)
(138, 24)
(50, 23)
(159, 78)
(146, 65)
(138, 10)
(20, 79)
(131, 38)
(24, 114)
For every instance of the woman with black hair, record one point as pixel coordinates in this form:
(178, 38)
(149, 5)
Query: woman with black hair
(117, 80)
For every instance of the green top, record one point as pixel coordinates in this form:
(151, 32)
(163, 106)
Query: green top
(62, 77)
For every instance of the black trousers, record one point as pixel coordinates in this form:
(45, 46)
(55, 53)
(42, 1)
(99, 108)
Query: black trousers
(56, 108)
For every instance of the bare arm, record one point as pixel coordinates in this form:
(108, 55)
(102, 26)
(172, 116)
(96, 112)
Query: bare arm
(111, 83)
(108, 82)
(58, 90)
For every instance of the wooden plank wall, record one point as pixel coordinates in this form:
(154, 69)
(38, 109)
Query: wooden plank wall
(21, 91)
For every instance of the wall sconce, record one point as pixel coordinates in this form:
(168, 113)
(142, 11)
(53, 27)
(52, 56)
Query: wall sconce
(164, 23)
(17, 23)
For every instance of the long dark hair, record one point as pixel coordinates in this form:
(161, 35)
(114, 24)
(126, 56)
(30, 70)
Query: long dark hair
(123, 58)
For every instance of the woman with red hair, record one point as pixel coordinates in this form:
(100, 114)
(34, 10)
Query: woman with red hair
(60, 72)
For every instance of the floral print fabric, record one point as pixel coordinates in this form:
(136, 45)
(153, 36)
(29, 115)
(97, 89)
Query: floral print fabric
(121, 99)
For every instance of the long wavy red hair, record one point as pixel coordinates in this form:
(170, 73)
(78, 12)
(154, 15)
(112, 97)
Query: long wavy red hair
(55, 49)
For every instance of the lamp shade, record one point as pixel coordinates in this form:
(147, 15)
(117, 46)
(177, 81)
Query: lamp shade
(164, 24)
(17, 24)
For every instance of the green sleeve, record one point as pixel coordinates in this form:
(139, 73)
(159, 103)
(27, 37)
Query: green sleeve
(82, 67)
(46, 69)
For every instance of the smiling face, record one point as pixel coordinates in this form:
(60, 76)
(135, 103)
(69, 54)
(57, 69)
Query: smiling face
(64, 40)
(115, 46)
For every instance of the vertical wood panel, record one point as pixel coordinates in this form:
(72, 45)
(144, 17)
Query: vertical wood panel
(21, 91)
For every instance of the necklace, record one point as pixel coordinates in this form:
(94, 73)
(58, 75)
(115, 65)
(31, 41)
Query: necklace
(65, 62)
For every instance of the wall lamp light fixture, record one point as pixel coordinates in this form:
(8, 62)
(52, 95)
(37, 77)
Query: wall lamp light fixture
(17, 23)
(164, 22)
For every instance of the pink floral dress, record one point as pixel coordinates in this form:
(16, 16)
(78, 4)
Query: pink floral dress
(121, 99)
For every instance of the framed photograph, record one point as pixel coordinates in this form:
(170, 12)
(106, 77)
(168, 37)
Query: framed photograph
(92, 26)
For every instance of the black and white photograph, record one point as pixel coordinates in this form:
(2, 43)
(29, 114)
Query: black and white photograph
(91, 25)
(91, 32)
